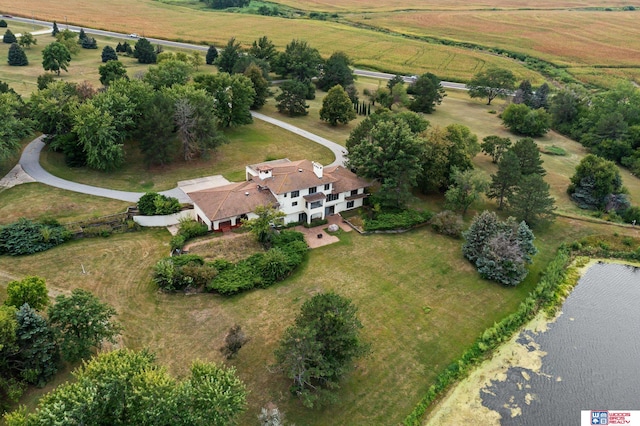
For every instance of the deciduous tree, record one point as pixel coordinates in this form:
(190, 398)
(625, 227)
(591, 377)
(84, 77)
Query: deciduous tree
(111, 71)
(335, 71)
(55, 57)
(233, 96)
(230, 54)
(491, 83)
(96, 131)
(391, 153)
(466, 188)
(30, 290)
(13, 125)
(291, 100)
(522, 120)
(320, 348)
(299, 61)
(82, 322)
(427, 93)
(168, 73)
(70, 40)
(495, 146)
(260, 85)
(262, 226)
(27, 40)
(337, 107)
(263, 48)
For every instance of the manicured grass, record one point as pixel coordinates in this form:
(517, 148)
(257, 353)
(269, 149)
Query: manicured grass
(248, 145)
(36, 201)
(19, 27)
(391, 278)
(367, 48)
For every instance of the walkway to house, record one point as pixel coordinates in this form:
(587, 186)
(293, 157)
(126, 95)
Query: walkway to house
(30, 164)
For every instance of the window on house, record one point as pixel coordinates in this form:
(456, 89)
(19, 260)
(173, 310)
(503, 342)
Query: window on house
(316, 204)
(295, 194)
(333, 197)
(295, 203)
(354, 192)
(313, 190)
(350, 204)
(327, 186)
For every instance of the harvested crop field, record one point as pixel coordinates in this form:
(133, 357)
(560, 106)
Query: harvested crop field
(562, 36)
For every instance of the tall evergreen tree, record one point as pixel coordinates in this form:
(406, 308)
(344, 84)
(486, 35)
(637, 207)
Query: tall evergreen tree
(108, 54)
(229, 56)
(82, 35)
(506, 179)
(335, 71)
(260, 85)
(17, 57)
(37, 347)
(524, 94)
(212, 55)
(531, 201)
(55, 29)
(145, 52)
(529, 156)
(263, 48)
(9, 37)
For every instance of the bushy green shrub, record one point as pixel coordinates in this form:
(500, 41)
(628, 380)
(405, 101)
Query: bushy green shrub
(261, 269)
(179, 272)
(190, 228)
(397, 220)
(187, 259)
(152, 203)
(315, 222)
(27, 237)
(168, 276)
(447, 223)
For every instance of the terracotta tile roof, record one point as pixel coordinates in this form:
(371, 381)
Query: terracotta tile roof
(345, 180)
(231, 200)
(315, 197)
(292, 176)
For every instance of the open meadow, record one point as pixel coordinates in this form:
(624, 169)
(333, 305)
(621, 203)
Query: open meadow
(420, 302)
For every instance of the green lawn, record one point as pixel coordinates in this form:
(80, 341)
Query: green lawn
(36, 201)
(391, 278)
(248, 144)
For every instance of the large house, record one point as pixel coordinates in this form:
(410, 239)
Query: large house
(303, 190)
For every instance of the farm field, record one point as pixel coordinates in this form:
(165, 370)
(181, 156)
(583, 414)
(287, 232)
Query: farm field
(391, 5)
(393, 279)
(366, 48)
(561, 36)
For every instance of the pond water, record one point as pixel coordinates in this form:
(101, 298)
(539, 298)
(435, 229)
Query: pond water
(592, 359)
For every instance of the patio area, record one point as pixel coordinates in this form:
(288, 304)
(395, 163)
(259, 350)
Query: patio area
(318, 236)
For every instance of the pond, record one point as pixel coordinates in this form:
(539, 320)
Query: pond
(590, 356)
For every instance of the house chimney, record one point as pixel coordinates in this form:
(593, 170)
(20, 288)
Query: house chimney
(317, 169)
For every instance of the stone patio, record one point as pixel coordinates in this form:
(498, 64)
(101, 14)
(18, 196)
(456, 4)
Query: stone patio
(311, 234)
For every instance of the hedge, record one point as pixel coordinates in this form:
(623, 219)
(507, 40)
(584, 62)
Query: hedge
(261, 269)
(397, 220)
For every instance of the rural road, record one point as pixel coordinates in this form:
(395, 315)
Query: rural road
(363, 73)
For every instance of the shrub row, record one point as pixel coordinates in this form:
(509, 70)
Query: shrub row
(27, 237)
(181, 272)
(398, 220)
(262, 269)
(548, 293)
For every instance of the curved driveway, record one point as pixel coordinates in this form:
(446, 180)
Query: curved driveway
(30, 162)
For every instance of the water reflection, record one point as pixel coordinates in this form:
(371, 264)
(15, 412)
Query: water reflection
(590, 355)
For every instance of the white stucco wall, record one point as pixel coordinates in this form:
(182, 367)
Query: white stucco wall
(166, 220)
